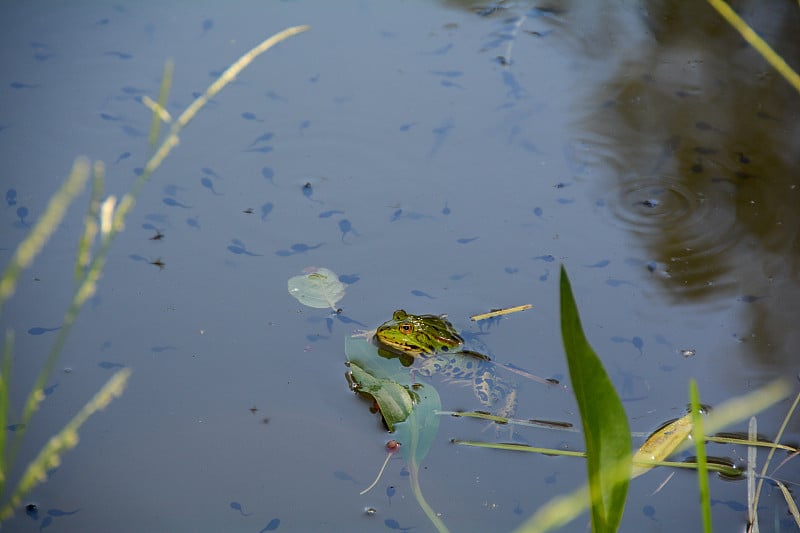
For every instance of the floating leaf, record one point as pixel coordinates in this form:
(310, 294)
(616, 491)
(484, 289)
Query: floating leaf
(319, 288)
(410, 410)
(394, 400)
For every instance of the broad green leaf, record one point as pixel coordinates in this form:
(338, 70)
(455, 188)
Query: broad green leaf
(605, 426)
(394, 400)
(410, 410)
(417, 433)
(319, 288)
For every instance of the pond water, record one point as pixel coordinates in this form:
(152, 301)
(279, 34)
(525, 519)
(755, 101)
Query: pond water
(442, 158)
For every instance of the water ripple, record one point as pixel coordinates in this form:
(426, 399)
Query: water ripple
(689, 231)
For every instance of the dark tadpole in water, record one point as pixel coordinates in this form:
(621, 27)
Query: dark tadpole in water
(11, 197)
(208, 171)
(208, 24)
(600, 264)
(297, 248)
(749, 298)
(247, 115)
(20, 85)
(268, 174)
(272, 525)
(344, 476)
(308, 190)
(249, 211)
(349, 279)
(445, 209)
(122, 157)
(448, 83)
(208, 184)
(301, 247)
(159, 263)
(236, 506)
(32, 510)
(162, 349)
(261, 149)
(237, 247)
(110, 118)
(346, 227)
(157, 237)
(22, 214)
(266, 209)
(328, 214)
(422, 294)
(440, 134)
(466, 240)
(262, 138)
(407, 126)
(193, 222)
(61, 512)
(42, 331)
(119, 55)
(172, 202)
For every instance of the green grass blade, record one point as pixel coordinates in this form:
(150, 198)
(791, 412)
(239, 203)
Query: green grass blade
(163, 95)
(700, 452)
(752, 455)
(5, 379)
(29, 248)
(606, 431)
(50, 455)
(777, 62)
(90, 223)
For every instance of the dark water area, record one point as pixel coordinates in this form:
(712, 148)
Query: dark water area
(441, 158)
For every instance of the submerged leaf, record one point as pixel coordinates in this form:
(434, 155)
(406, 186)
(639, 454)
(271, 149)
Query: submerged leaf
(661, 444)
(320, 288)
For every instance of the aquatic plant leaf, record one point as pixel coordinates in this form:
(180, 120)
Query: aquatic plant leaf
(416, 434)
(661, 444)
(605, 426)
(394, 400)
(319, 288)
(410, 410)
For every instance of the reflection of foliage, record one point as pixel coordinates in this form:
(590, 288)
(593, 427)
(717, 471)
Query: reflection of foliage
(88, 268)
(691, 115)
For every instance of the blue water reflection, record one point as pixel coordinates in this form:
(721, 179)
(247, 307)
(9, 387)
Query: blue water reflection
(441, 157)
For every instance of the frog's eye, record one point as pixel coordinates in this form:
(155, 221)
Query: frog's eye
(406, 328)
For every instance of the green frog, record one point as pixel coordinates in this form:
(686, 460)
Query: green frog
(433, 340)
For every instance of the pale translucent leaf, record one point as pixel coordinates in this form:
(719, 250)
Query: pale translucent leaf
(319, 288)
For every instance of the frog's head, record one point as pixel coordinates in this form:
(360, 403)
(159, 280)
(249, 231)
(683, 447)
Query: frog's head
(417, 334)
